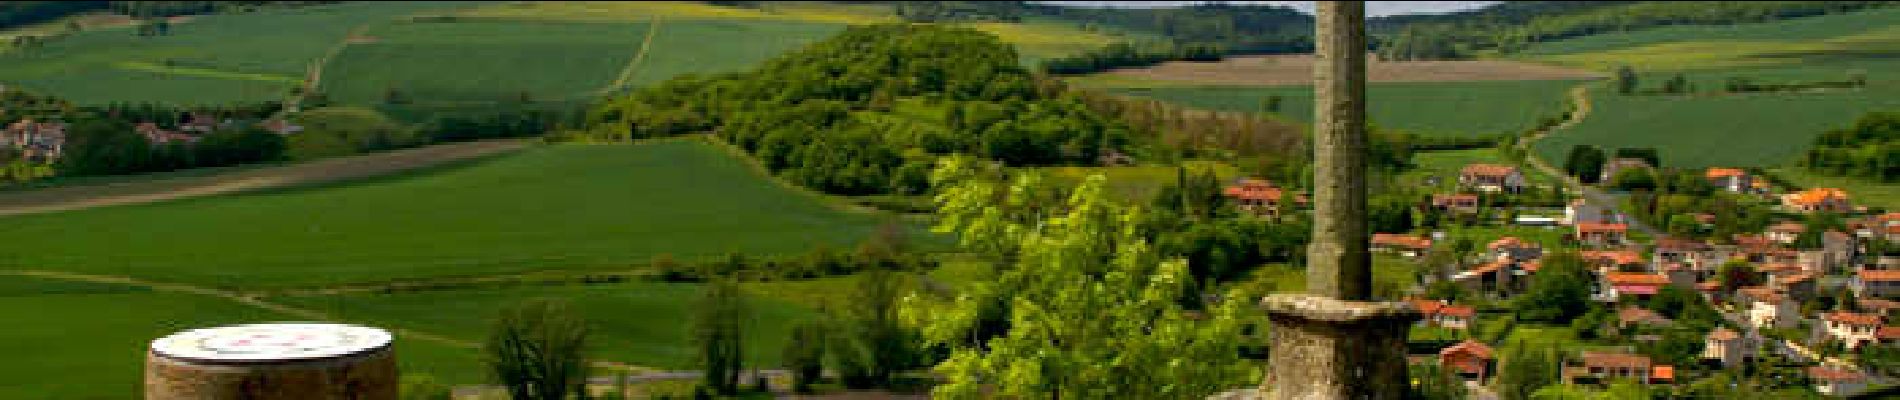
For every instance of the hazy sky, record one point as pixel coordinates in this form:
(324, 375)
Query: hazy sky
(1373, 8)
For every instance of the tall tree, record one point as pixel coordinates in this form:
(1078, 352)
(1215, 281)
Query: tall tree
(535, 350)
(718, 327)
(1561, 290)
(1625, 80)
(1523, 369)
(1092, 310)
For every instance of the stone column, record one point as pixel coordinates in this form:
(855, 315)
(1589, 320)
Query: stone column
(1333, 343)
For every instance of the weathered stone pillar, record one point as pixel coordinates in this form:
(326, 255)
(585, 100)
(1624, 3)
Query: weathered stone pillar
(1334, 343)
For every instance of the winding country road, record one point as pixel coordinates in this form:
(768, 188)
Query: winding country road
(1579, 96)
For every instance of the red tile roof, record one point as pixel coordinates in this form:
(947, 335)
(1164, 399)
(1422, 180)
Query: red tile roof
(1492, 170)
(1816, 196)
(1254, 189)
(1401, 240)
(1723, 334)
(1468, 346)
(1509, 241)
(1724, 172)
(1636, 278)
(1612, 257)
(1428, 307)
(1590, 227)
(1458, 311)
(1831, 374)
(1856, 319)
(1614, 360)
(1879, 275)
(1663, 373)
(1888, 333)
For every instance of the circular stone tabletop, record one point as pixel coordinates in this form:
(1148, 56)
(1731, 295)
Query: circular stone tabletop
(274, 342)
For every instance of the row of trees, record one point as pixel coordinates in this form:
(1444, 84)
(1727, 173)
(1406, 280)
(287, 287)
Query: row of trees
(1125, 55)
(1870, 148)
(1513, 27)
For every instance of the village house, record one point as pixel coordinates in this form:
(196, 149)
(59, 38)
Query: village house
(1401, 244)
(1629, 316)
(37, 141)
(1838, 250)
(1596, 234)
(1882, 307)
(1834, 381)
(158, 136)
(1695, 254)
(1491, 178)
(1726, 347)
(1260, 197)
(1815, 200)
(1618, 165)
(1876, 283)
(1491, 277)
(1635, 284)
(1799, 285)
(1461, 203)
(1604, 367)
(1470, 359)
(1605, 261)
(1582, 212)
(1731, 179)
(1853, 329)
(1785, 232)
(1443, 314)
(1768, 308)
(1512, 249)
(1885, 226)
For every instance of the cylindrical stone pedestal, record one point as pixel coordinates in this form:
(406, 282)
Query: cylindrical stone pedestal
(1325, 348)
(289, 361)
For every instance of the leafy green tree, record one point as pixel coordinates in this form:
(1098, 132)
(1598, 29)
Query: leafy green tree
(1092, 310)
(1585, 162)
(1625, 80)
(873, 332)
(1736, 274)
(1560, 291)
(718, 328)
(535, 350)
(805, 355)
(1437, 383)
(1523, 369)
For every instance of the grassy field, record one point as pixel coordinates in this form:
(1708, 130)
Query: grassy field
(1714, 129)
(210, 59)
(1861, 191)
(101, 355)
(490, 61)
(681, 47)
(1437, 109)
(556, 207)
(642, 323)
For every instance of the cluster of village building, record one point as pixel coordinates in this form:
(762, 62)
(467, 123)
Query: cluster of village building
(45, 141)
(1627, 270)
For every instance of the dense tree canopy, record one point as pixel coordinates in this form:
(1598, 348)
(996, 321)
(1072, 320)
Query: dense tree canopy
(1870, 148)
(865, 112)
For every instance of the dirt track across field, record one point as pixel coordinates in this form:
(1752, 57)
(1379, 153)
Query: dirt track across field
(1289, 70)
(65, 198)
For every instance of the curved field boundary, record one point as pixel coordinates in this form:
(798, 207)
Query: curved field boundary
(626, 74)
(321, 171)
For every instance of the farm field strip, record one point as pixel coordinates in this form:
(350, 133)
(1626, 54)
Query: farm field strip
(1297, 70)
(551, 208)
(1424, 108)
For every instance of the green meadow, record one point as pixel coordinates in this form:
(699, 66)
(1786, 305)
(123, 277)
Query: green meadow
(640, 323)
(211, 59)
(101, 355)
(1466, 109)
(556, 207)
(492, 61)
(1712, 128)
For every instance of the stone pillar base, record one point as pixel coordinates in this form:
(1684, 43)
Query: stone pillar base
(1325, 348)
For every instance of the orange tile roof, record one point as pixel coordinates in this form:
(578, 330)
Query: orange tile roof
(1587, 227)
(1614, 360)
(1428, 307)
(1816, 196)
(1832, 374)
(1663, 373)
(1724, 172)
(1636, 278)
(1614, 257)
(1254, 189)
(1458, 311)
(1879, 275)
(1487, 268)
(1509, 241)
(1852, 318)
(1760, 293)
(1401, 240)
(1487, 170)
(1723, 334)
(1888, 332)
(1469, 346)
(1788, 227)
